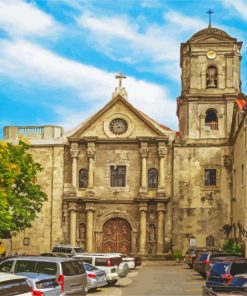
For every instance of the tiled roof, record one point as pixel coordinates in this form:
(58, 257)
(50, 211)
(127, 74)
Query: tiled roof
(241, 103)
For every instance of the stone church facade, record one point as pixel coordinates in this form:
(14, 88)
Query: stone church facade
(123, 182)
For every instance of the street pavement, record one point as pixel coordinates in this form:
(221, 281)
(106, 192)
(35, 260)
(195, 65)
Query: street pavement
(154, 279)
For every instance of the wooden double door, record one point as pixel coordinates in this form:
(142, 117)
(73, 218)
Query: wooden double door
(116, 236)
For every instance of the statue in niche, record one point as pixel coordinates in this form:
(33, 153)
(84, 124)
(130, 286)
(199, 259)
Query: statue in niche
(82, 231)
(151, 239)
(211, 77)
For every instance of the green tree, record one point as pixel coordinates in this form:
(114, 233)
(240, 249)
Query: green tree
(21, 198)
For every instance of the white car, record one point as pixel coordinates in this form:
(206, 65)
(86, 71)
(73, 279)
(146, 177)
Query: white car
(111, 264)
(11, 284)
(128, 259)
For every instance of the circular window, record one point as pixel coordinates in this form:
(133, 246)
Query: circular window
(118, 126)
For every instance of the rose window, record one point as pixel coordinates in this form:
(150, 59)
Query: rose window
(118, 126)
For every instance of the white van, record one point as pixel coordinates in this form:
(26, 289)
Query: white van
(111, 264)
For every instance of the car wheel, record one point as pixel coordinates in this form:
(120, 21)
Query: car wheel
(112, 283)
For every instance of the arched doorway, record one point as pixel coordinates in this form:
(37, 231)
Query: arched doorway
(116, 236)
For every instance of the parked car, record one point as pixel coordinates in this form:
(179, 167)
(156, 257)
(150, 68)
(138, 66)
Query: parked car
(111, 264)
(71, 275)
(11, 284)
(56, 255)
(42, 284)
(204, 259)
(222, 273)
(96, 277)
(125, 258)
(218, 259)
(190, 256)
(138, 261)
(67, 249)
(224, 291)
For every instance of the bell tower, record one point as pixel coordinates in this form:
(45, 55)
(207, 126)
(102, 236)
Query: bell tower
(210, 63)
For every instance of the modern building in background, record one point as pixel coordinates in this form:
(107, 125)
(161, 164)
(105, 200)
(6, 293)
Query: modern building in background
(123, 182)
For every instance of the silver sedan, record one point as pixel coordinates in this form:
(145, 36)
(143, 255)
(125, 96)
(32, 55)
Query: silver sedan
(96, 277)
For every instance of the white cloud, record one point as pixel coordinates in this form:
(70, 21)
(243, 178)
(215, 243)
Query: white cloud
(27, 63)
(184, 23)
(18, 18)
(135, 41)
(239, 5)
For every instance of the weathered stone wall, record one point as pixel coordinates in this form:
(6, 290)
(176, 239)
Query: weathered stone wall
(47, 229)
(239, 182)
(198, 210)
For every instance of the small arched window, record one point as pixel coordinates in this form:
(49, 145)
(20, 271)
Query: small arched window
(211, 120)
(152, 178)
(210, 241)
(83, 178)
(212, 77)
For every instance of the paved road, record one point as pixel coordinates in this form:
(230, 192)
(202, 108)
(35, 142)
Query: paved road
(157, 280)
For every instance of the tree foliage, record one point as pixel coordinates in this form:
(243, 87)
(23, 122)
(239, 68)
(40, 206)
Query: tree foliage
(232, 246)
(20, 196)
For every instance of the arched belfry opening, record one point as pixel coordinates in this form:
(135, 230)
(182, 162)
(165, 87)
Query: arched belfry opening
(211, 119)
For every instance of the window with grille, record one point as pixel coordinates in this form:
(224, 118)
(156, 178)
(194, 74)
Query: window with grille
(83, 178)
(211, 120)
(152, 178)
(118, 176)
(210, 177)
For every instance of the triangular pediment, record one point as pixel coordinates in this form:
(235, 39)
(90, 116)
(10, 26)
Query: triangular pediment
(211, 35)
(212, 38)
(119, 120)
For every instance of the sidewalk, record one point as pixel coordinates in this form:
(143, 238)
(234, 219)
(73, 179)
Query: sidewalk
(161, 262)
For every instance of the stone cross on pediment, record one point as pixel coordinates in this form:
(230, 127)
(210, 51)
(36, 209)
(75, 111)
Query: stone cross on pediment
(120, 76)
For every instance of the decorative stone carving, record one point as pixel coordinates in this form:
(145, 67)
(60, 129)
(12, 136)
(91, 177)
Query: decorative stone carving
(74, 151)
(91, 151)
(144, 152)
(162, 151)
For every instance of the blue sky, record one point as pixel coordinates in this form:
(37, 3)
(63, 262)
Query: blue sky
(58, 58)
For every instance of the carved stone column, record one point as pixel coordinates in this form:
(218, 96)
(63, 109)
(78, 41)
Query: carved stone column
(72, 223)
(91, 151)
(162, 150)
(90, 223)
(143, 228)
(74, 151)
(160, 224)
(144, 155)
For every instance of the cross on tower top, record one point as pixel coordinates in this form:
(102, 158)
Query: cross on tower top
(120, 76)
(210, 11)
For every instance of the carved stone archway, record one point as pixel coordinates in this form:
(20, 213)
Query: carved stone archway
(116, 236)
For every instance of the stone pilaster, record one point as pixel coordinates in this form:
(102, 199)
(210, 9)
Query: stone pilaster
(160, 224)
(74, 151)
(91, 151)
(90, 223)
(143, 228)
(72, 223)
(162, 151)
(144, 155)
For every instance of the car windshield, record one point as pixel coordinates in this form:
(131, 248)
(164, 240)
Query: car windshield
(220, 268)
(79, 250)
(90, 267)
(203, 256)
